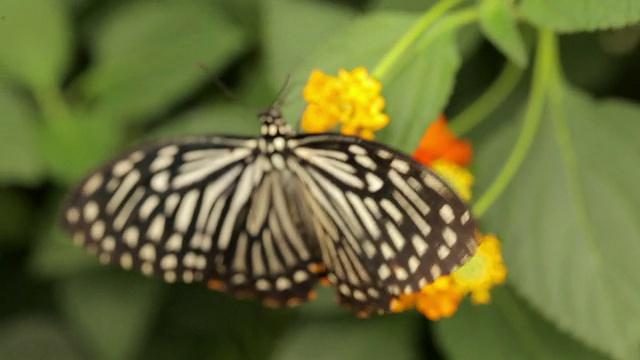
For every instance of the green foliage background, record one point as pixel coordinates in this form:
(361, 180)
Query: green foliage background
(546, 89)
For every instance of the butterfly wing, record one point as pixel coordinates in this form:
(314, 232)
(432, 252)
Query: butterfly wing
(397, 225)
(198, 209)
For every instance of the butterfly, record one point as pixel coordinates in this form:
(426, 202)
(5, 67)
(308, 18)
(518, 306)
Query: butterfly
(269, 217)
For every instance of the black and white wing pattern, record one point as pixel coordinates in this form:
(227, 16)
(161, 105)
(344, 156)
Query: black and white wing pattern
(208, 208)
(392, 225)
(267, 217)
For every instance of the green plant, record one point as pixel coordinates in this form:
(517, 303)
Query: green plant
(556, 164)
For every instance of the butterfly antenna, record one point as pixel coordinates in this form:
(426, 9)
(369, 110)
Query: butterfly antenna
(279, 101)
(218, 82)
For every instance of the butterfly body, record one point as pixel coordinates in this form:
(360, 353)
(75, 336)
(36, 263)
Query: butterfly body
(269, 216)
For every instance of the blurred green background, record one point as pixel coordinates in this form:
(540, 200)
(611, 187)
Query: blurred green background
(80, 80)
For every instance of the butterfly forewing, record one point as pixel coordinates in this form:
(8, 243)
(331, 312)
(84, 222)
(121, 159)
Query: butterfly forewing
(400, 226)
(197, 209)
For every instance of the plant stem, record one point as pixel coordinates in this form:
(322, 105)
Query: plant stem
(401, 47)
(488, 101)
(546, 60)
(51, 103)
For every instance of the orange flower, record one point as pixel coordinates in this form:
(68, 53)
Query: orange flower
(436, 300)
(438, 142)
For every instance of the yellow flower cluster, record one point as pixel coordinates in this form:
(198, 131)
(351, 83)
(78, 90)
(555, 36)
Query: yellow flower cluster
(485, 270)
(458, 177)
(351, 99)
(442, 297)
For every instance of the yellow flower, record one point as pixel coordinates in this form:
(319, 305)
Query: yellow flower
(485, 270)
(442, 297)
(351, 99)
(458, 177)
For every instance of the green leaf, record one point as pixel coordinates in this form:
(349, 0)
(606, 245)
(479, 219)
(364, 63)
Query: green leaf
(390, 337)
(71, 147)
(198, 323)
(581, 15)
(569, 220)
(147, 56)
(34, 337)
(17, 212)
(293, 29)
(406, 5)
(498, 24)
(419, 92)
(416, 93)
(20, 162)
(36, 41)
(54, 255)
(216, 119)
(111, 311)
(516, 332)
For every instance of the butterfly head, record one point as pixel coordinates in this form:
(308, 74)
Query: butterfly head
(273, 124)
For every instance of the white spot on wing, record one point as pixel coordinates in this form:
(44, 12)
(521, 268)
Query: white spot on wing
(263, 285)
(90, 211)
(400, 165)
(365, 161)
(130, 236)
(122, 167)
(401, 274)
(359, 295)
(384, 272)
(73, 215)
(161, 162)
(97, 229)
(465, 217)
(369, 249)
(156, 228)
(92, 184)
(419, 244)
(357, 149)
(387, 252)
(174, 243)
(443, 252)
(396, 237)
(160, 181)
(435, 271)
(126, 261)
(449, 236)
(147, 207)
(392, 210)
(344, 289)
(169, 262)
(446, 213)
(374, 183)
(283, 283)
(300, 276)
(414, 263)
(147, 252)
(108, 244)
